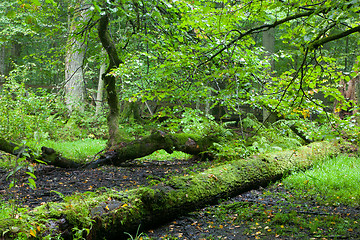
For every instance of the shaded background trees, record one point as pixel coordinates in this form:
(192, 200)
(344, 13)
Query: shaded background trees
(223, 58)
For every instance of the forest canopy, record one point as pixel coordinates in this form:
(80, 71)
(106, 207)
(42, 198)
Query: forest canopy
(85, 63)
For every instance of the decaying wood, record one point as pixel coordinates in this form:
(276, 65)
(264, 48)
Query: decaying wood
(111, 214)
(125, 151)
(15, 149)
(48, 156)
(300, 134)
(51, 157)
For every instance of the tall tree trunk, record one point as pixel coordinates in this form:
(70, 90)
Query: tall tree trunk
(2, 63)
(269, 45)
(357, 95)
(75, 52)
(109, 80)
(100, 90)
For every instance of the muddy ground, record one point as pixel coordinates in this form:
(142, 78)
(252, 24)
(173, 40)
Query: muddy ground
(271, 213)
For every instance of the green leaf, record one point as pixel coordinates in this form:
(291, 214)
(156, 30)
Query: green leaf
(12, 184)
(40, 161)
(51, 2)
(11, 14)
(31, 174)
(36, 2)
(32, 183)
(97, 8)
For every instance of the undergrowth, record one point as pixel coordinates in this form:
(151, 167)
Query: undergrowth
(162, 155)
(79, 149)
(334, 181)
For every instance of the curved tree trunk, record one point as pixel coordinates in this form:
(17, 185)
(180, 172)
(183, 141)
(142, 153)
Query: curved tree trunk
(110, 81)
(125, 151)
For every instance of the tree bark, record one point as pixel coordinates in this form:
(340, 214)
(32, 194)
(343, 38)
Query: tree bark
(269, 46)
(100, 90)
(349, 91)
(126, 151)
(3, 68)
(110, 81)
(74, 78)
(48, 156)
(151, 206)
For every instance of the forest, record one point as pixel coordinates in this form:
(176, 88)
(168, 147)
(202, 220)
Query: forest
(179, 119)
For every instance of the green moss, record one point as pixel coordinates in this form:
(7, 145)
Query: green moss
(181, 193)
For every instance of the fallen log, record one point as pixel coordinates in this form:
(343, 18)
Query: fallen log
(48, 155)
(16, 150)
(111, 214)
(123, 151)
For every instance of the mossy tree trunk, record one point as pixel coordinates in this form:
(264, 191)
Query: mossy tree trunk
(148, 207)
(110, 80)
(48, 156)
(111, 214)
(125, 150)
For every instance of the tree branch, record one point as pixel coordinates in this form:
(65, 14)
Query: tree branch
(316, 44)
(261, 28)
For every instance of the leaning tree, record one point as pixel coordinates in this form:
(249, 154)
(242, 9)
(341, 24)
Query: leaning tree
(210, 48)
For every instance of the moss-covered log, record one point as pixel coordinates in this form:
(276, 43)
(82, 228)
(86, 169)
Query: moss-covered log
(51, 157)
(111, 214)
(124, 151)
(48, 156)
(15, 149)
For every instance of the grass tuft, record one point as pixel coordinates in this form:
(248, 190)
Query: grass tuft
(79, 149)
(334, 181)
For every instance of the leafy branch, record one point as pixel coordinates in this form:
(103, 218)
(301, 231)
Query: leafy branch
(316, 44)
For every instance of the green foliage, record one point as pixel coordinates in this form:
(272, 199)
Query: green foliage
(333, 181)
(137, 235)
(256, 137)
(27, 112)
(189, 120)
(162, 155)
(39, 115)
(83, 125)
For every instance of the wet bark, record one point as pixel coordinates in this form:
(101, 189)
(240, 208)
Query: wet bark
(123, 151)
(110, 81)
(14, 149)
(148, 207)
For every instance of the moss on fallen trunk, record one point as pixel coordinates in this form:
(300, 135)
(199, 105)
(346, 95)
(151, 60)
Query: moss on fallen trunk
(111, 214)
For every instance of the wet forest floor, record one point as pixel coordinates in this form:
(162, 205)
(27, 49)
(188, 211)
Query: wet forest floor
(266, 213)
